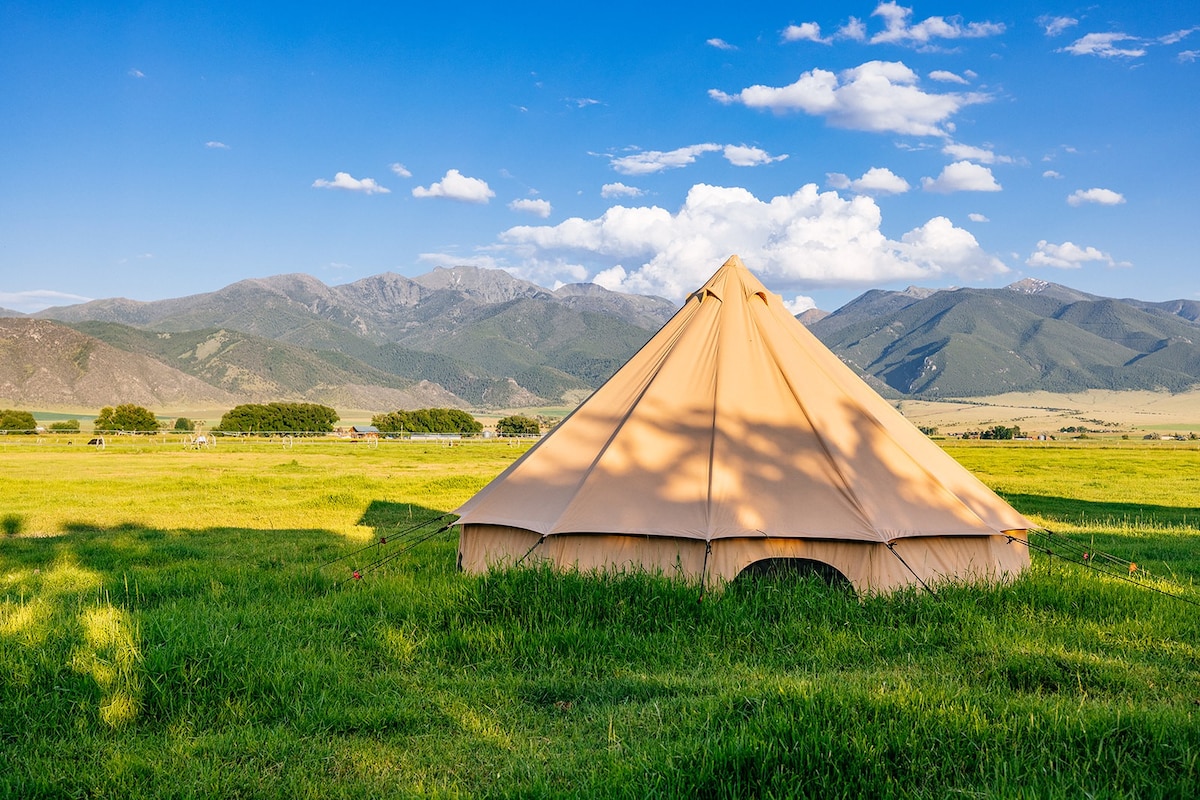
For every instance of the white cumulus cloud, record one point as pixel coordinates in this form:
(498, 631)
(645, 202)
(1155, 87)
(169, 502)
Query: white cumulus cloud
(962, 176)
(539, 208)
(809, 238)
(1051, 173)
(1104, 45)
(650, 161)
(1053, 26)
(399, 170)
(899, 30)
(720, 44)
(344, 180)
(966, 152)
(977, 218)
(878, 96)
(456, 186)
(618, 189)
(804, 32)
(742, 156)
(799, 304)
(876, 181)
(1067, 255)
(214, 145)
(945, 76)
(1104, 197)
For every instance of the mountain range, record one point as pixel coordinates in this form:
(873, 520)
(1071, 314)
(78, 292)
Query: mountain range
(468, 337)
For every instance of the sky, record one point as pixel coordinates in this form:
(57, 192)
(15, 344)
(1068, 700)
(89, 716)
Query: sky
(155, 150)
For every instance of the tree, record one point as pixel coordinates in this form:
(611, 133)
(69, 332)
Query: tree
(427, 420)
(13, 421)
(126, 417)
(278, 418)
(65, 426)
(517, 425)
(184, 424)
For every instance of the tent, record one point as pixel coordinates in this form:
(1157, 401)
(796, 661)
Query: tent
(735, 438)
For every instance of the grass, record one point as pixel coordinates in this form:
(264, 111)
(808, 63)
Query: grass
(170, 626)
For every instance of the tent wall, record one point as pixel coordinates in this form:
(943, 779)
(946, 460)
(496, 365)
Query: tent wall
(870, 567)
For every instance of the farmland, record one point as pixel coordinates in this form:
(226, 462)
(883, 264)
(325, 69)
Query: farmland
(184, 623)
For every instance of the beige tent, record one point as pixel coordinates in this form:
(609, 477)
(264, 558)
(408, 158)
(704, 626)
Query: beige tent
(735, 437)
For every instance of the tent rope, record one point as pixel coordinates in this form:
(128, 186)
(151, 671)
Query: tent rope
(383, 540)
(1082, 556)
(410, 544)
(892, 548)
(528, 552)
(704, 571)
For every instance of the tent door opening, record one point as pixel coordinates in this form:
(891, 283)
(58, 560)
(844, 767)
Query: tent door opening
(795, 569)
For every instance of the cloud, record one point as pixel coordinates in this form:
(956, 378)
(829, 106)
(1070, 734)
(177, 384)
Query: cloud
(216, 145)
(540, 208)
(1177, 36)
(1104, 197)
(1050, 173)
(720, 44)
(977, 218)
(807, 238)
(583, 102)
(1068, 256)
(399, 170)
(875, 181)
(804, 32)
(1053, 26)
(136, 73)
(1188, 56)
(651, 161)
(878, 96)
(897, 29)
(38, 299)
(742, 156)
(799, 304)
(854, 29)
(618, 189)
(456, 186)
(962, 176)
(966, 152)
(1104, 46)
(946, 77)
(343, 180)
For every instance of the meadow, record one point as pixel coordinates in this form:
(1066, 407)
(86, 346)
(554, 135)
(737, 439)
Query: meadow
(180, 623)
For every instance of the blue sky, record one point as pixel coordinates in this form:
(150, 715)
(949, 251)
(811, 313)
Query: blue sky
(150, 150)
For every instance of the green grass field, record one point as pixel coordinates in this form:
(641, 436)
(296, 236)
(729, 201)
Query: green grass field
(168, 629)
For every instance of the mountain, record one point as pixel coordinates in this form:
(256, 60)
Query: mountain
(477, 338)
(45, 363)
(1029, 335)
(460, 336)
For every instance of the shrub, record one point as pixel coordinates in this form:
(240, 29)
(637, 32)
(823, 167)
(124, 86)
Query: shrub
(13, 421)
(427, 420)
(126, 417)
(517, 425)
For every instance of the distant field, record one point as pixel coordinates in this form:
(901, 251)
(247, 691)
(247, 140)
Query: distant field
(184, 623)
(1131, 413)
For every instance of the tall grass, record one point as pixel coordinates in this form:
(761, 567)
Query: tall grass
(153, 646)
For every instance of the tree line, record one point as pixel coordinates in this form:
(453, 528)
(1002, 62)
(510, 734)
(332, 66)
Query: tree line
(295, 418)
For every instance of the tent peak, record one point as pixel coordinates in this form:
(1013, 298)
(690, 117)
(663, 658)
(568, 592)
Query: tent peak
(734, 261)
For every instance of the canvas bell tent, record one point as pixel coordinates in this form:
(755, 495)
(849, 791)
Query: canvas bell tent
(735, 438)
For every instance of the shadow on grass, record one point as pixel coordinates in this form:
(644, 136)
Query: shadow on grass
(1096, 512)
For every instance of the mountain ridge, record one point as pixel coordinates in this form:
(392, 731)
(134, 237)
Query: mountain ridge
(471, 337)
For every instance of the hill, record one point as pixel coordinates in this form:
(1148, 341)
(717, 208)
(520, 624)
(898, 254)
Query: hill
(1029, 336)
